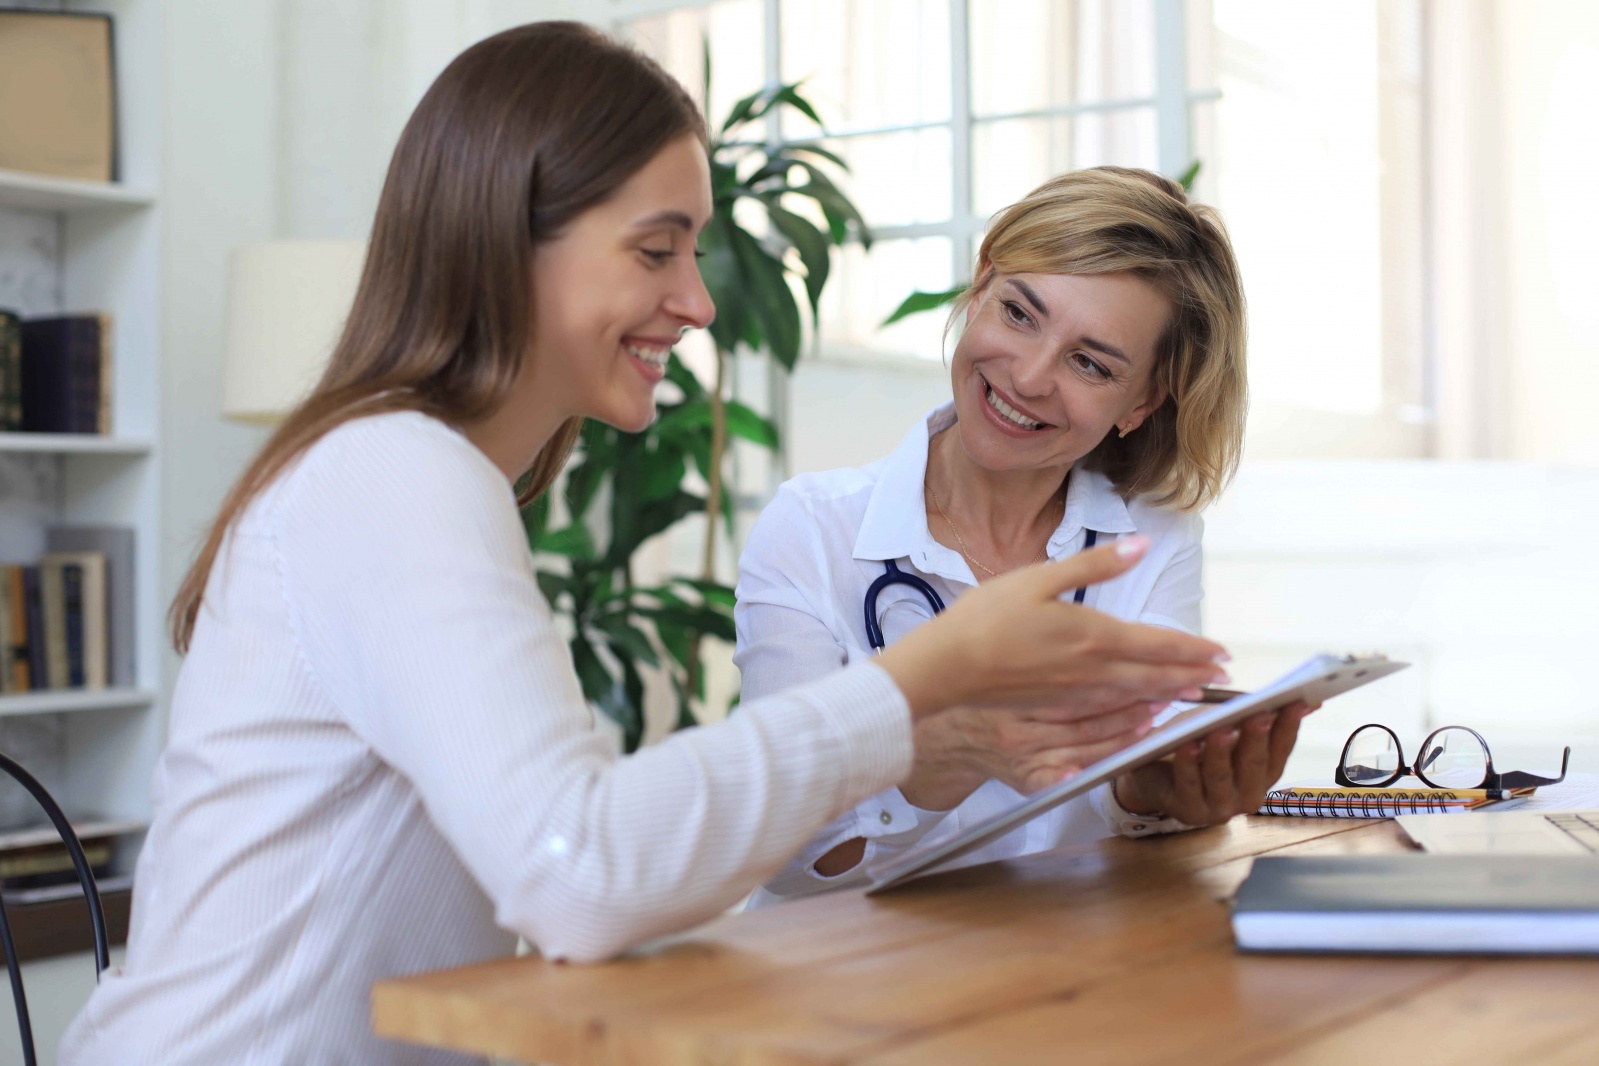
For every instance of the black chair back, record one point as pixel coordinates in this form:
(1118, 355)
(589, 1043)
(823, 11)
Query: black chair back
(91, 892)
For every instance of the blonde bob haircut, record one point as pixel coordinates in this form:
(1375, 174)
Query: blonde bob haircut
(1111, 220)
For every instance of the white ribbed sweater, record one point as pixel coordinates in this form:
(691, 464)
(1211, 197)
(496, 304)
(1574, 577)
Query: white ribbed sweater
(380, 762)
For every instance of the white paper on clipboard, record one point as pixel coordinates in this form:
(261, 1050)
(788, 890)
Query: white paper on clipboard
(1315, 680)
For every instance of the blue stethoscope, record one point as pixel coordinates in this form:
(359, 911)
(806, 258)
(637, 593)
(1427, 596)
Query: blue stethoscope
(893, 575)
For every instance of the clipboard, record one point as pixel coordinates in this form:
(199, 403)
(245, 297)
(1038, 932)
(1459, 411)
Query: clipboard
(1315, 680)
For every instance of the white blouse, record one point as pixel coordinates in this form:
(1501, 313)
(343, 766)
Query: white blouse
(802, 586)
(379, 762)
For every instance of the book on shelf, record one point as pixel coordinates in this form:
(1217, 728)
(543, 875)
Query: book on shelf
(35, 864)
(13, 631)
(58, 94)
(10, 371)
(1337, 801)
(116, 545)
(66, 374)
(83, 618)
(53, 621)
(33, 610)
(67, 622)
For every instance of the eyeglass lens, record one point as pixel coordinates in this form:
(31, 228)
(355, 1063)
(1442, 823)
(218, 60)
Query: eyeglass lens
(1371, 757)
(1453, 758)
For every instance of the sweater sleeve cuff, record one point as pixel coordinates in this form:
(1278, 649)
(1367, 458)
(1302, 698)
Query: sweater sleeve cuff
(1124, 822)
(872, 723)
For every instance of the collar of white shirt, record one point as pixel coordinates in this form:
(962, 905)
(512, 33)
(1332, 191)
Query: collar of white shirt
(895, 523)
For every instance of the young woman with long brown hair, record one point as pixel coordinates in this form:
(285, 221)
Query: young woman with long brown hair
(379, 760)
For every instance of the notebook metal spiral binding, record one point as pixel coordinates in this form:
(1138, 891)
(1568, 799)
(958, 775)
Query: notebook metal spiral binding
(1332, 804)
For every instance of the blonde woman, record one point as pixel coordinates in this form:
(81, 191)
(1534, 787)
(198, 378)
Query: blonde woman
(1099, 392)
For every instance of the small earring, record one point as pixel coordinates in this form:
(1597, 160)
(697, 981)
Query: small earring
(1122, 431)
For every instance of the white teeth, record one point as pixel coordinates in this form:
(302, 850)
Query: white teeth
(1010, 412)
(656, 357)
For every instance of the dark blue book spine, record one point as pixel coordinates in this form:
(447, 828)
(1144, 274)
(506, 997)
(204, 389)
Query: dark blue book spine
(83, 375)
(60, 385)
(38, 678)
(72, 596)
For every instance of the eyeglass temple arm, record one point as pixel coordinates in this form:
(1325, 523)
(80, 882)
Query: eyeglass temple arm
(1522, 779)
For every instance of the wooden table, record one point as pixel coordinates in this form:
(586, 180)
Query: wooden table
(1117, 952)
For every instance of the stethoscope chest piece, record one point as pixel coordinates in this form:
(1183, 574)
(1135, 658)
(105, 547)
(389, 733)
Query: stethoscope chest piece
(893, 575)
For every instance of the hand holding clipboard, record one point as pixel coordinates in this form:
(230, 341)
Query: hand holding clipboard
(1317, 679)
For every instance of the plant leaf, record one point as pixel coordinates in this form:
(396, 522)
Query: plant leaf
(622, 633)
(789, 94)
(745, 423)
(1189, 176)
(552, 585)
(919, 301)
(676, 639)
(573, 541)
(712, 592)
(633, 524)
(536, 519)
(693, 419)
(681, 376)
(813, 247)
(723, 274)
(741, 111)
(661, 472)
(591, 673)
(708, 620)
(815, 149)
(841, 212)
(772, 302)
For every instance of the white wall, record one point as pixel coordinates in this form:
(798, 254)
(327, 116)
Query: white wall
(219, 191)
(1549, 58)
(1473, 571)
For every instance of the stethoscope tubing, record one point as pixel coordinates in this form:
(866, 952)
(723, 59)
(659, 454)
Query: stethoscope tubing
(893, 575)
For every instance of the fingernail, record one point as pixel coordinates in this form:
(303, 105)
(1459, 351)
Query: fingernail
(1191, 694)
(1144, 728)
(1221, 657)
(1222, 678)
(1131, 547)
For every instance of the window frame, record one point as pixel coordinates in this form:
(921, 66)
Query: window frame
(1411, 432)
(1172, 103)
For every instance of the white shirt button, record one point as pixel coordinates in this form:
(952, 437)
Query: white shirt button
(885, 817)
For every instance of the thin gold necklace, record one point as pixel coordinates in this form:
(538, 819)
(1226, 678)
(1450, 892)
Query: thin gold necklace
(939, 507)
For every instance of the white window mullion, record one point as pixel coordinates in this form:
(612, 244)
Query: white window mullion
(960, 121)
(1171, 87)
(777, 402)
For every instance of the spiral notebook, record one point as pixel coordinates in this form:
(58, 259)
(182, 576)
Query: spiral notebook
(1334, 801)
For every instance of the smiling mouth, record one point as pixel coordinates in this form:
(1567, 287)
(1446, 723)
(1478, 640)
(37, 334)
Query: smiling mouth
(655, 357)
(1009, 413)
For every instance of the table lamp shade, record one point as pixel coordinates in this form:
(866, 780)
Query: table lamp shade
(287, 302)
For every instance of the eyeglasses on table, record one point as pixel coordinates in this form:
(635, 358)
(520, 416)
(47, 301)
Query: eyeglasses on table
(1454, 756)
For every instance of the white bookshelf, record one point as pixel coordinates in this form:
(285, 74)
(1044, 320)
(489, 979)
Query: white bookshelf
(33, 192)
(71, 701)
(105, 237)
(73, 444)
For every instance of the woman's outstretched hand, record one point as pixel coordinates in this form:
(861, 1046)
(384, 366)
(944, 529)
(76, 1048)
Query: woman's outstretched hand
(1013, 642)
